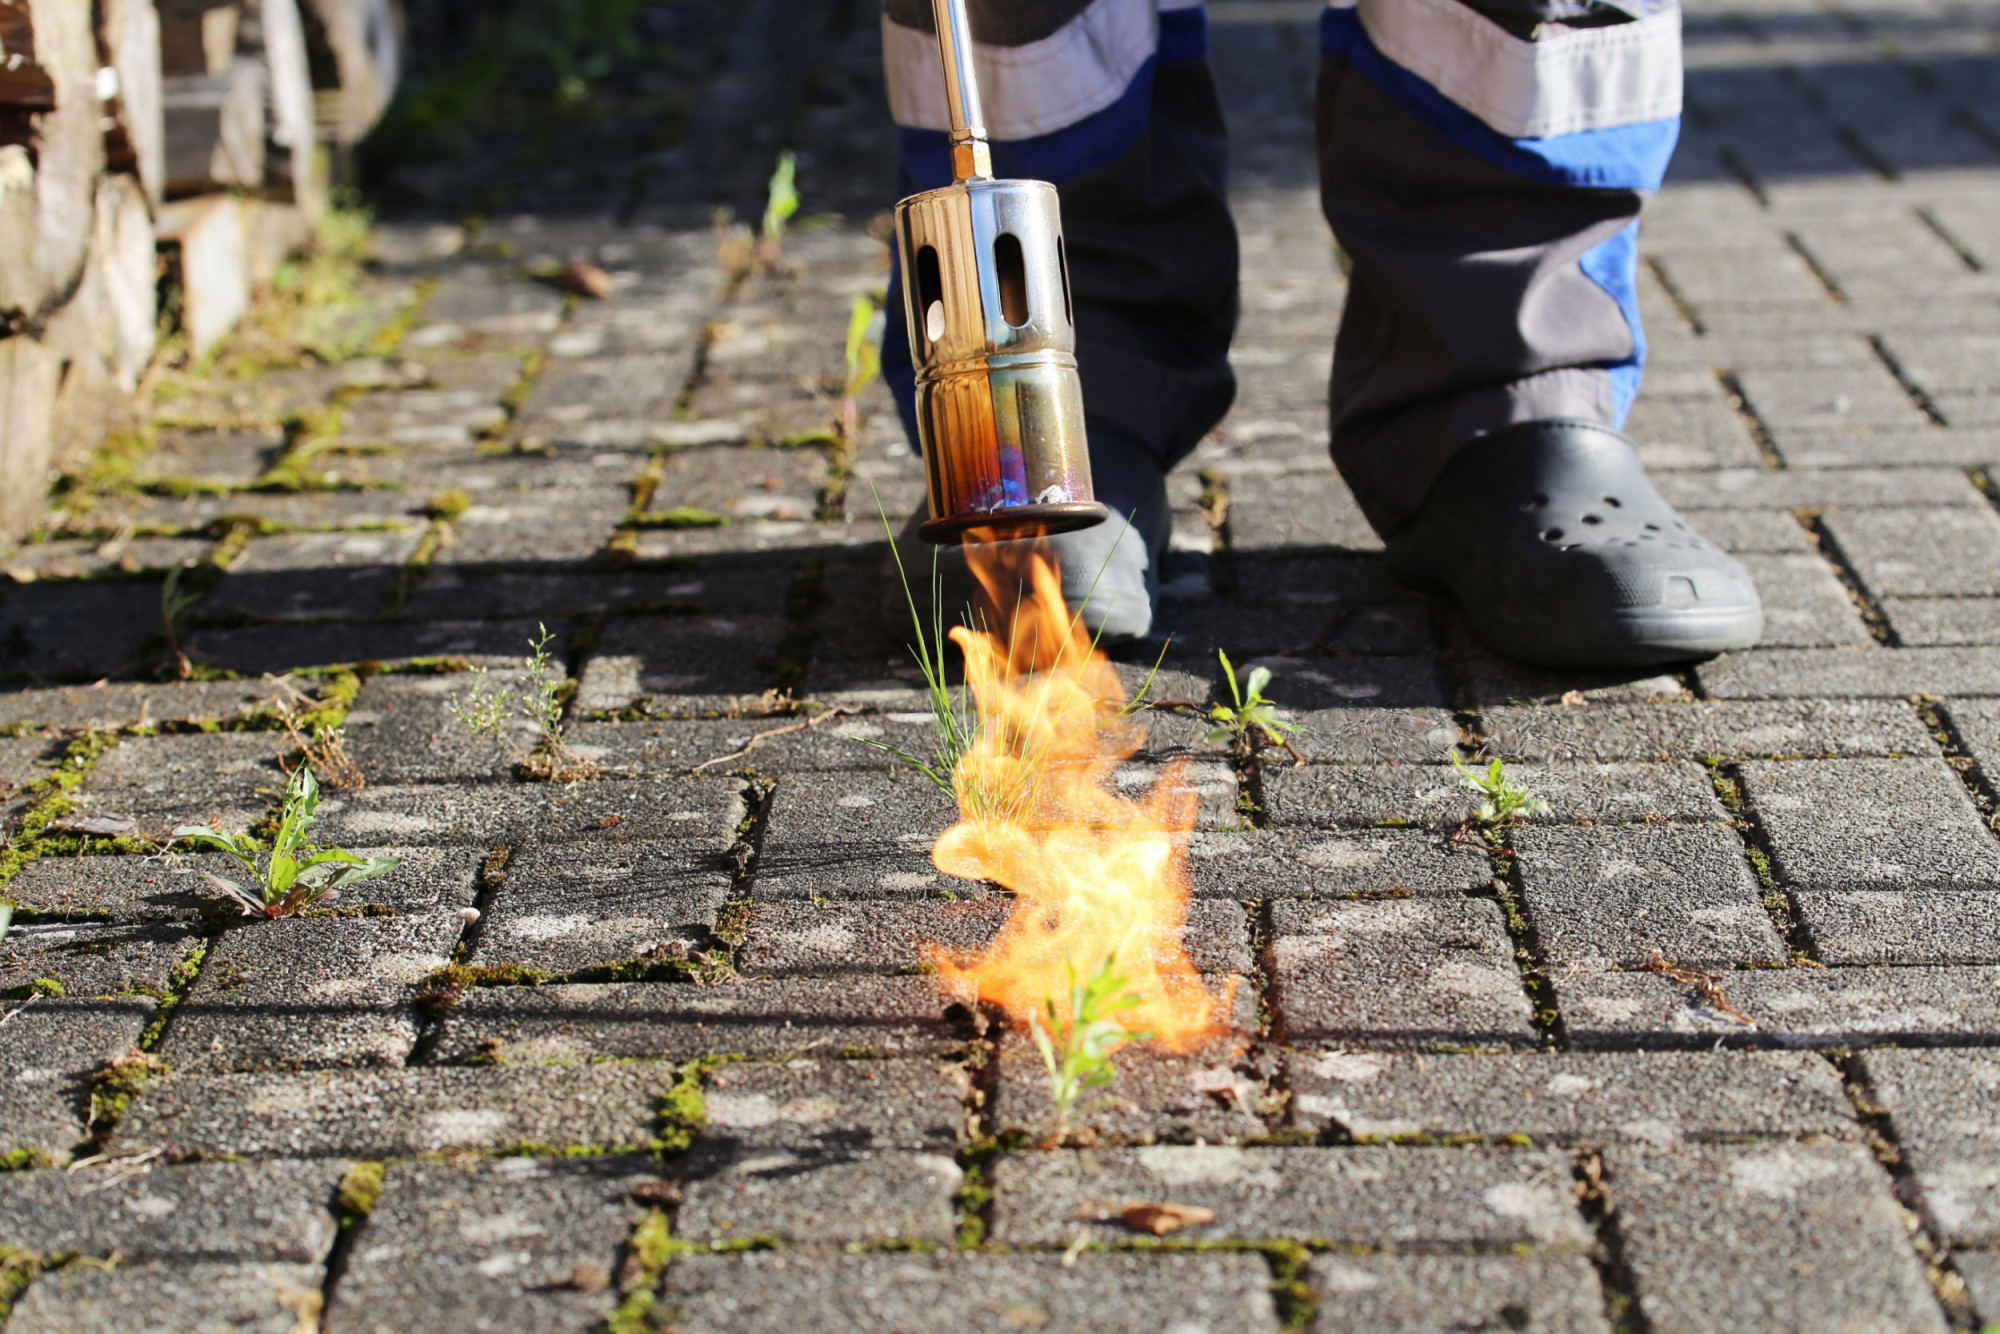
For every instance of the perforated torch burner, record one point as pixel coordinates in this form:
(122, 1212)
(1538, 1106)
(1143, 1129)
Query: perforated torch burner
(993, 336)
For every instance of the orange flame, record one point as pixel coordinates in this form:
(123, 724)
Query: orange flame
(1094, 874)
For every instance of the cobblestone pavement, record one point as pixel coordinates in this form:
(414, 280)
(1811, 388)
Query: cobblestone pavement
(1715, 1045)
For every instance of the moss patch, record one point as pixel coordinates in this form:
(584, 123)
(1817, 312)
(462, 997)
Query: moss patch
(354, 1198)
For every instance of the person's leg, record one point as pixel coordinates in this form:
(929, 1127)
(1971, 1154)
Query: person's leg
(1113, 102)
(1483, 164)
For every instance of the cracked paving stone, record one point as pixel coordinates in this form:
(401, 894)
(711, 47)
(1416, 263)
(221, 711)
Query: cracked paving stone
(821, 1199)
(790, 937)
(199, 1212)
(226, 778)
(779, 1019)
(1416, 1294)
(1916, 927)
(779, 1293)
(1198, 1097)
(113, 704)
(253, 1298)
(51, 1048)
(402, 730)
(310, 993)
(567, 908)
(170, 887)
(1697, 729)
(518, 1243)
(1791, 1007)
(92, 959)
(89, 630)
(1791, 1236)
(1432, 796)
(1397, 973)
(1607, 898)
(834, 1106)
(1388, 863)
(1945, 1106)
(1394, 1197)
(698, 813)
(1883, 824)
(396, 1113)
(1571, 1098)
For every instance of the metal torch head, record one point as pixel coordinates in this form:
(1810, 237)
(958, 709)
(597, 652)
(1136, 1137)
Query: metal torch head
(999, 404)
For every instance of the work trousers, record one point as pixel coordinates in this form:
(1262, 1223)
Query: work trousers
(1482, 164)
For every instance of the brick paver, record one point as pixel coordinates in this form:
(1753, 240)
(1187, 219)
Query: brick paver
(1655, 1060)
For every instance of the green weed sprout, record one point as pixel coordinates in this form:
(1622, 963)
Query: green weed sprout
(297, 874)
(486, 709)
(781, 202)
(1502, 800)
(865, 324)
(1252, 716)
(1077, 1054)
(173, 602)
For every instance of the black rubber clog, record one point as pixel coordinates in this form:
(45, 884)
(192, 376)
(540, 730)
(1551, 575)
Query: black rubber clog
(1554, 541)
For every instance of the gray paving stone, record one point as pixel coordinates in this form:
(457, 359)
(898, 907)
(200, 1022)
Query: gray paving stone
(1387, 863)
(1391, 1294)
(207, 1212)
(862, 814)
(776, 1019)
(1399, 973)
(788, 938)
(61, 561)
(559, 590)
(89, 959)
(1795, 488)
(1914, 927)
(1872, 824)
(314, 576)
(401, 730)
(77, 630)
(647, 662)
(1308, 683)
(255, 1298)
(471, 1245)
(834, 1106)
(1394, 1197)
(566, 908)
(396, 1113)
(1296, 510)
(1608, 898)
(1799, 1236)
(231, 778)
(1204, 1096)
(1570, 1098)
(1702, 728)
(507, 525)
(1804, 604)
(1978, 725)
(799, 1199)
(1744, 532)
(775, 746)
(45, 1064)
(701, 813)
(1810, 672)
(1922, 552)
(776, 1292)
(1433, 796)
(310, 993)
(1369, 735)
(283, 648)
(112, 704)
(1944, 1106)
(133, 889)
(1944, 621)
(1789, 1007)
(1981, 1272)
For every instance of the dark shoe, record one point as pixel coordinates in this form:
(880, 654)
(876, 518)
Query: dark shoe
(1551, 537)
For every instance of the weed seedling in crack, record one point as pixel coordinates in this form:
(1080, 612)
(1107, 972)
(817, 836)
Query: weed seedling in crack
(1077, 1053)
(487, 709)
(1251, 720)
(865, 324)
(173, 602)
(1502, 800)
(297, 874)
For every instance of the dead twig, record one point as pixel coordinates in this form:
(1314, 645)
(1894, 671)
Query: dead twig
(16, 1010)
(752, 744)
(1709, 989)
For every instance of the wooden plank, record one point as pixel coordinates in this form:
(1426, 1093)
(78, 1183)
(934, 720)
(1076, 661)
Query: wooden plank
(128, 31)
(24, 84)
(198, 36)
(274, 33)
(357, 50)
(48, 182)
(215, 130)
(30, 376)
(205, 250)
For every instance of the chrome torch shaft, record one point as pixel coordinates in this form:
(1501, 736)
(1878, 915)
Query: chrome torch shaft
(970, 158)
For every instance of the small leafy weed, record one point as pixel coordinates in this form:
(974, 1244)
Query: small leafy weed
(1502, 800)
(1251, 719)
(297, 874)
(487, 708)
(1077, 1052)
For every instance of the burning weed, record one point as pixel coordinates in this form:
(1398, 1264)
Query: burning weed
(1077, 1049)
